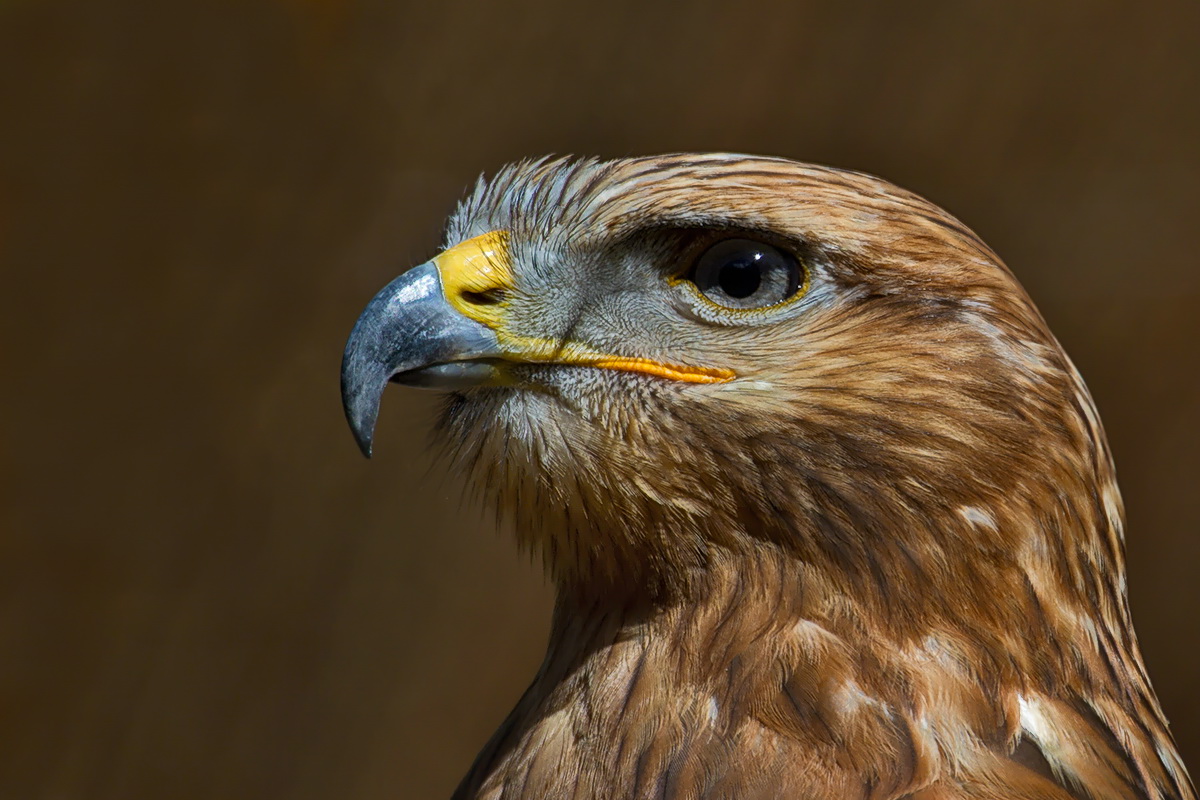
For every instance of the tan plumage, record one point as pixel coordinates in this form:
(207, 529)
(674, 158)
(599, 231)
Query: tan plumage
(883, 560)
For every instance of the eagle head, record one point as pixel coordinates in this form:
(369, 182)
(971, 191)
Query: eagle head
(795, 441)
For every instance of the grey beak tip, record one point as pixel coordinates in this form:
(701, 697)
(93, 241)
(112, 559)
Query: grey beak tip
(360, 400)
(364, 434)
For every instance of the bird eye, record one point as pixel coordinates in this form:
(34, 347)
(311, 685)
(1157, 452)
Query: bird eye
(744, 274)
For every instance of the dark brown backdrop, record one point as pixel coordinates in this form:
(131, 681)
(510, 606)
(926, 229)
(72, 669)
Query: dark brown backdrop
(205, 592)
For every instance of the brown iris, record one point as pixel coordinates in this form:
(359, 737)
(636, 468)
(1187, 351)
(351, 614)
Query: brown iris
(745, 274)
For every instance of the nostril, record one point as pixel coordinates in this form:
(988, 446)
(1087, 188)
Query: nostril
(490, 297)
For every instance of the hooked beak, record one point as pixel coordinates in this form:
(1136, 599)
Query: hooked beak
(410, 332)
(430, 327)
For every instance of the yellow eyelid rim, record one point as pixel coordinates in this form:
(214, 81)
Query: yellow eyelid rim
(694, 290)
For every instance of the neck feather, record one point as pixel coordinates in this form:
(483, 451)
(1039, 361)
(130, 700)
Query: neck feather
(767, 679)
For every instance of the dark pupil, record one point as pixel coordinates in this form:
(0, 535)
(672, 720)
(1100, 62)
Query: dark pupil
(740, 279)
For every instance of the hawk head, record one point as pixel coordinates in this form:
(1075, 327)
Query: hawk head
(796, 439)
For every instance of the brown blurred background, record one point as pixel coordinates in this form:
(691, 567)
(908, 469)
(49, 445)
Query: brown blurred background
(205, 592)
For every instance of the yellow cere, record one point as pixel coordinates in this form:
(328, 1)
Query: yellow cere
(476, 277)
(476, 274)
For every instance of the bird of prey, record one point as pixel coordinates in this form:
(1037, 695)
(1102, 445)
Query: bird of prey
(828, 510)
